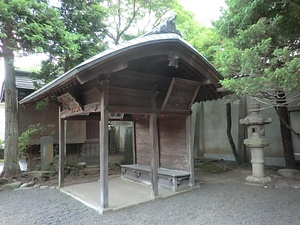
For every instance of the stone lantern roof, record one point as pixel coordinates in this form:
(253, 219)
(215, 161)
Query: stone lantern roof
(255, 118)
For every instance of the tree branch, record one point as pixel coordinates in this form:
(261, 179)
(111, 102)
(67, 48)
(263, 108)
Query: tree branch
(131, 19)
(110, 35)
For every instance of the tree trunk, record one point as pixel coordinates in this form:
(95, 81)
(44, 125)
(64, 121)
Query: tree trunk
(229, 135)
(286, 137)
(11, 160)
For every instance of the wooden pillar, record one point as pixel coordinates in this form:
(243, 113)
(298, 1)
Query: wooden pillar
(154, 154)
(193, 127)
(65, 139)
(190, 152)
(134, 142)
(62, 150)
(103, 139)
(154, 147)
(201, 130)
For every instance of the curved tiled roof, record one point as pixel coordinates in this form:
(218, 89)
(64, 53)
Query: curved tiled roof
(113, 52)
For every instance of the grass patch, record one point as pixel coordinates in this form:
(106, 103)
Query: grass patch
(1, 160)
(210, 167)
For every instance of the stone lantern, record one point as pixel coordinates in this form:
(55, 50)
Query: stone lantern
(256, 142)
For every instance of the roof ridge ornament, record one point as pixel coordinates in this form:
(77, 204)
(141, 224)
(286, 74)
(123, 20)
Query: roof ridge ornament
(167, 26)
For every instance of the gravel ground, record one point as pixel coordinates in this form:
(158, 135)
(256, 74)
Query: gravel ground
(215, 203)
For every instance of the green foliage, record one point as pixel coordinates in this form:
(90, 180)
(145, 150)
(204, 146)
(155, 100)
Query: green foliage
(41, 105)
(82, 38)
(211, 167)
(32, 23)
(36, 129)
(74, 168)
(262, 59)
(206, 40)
(262, 49)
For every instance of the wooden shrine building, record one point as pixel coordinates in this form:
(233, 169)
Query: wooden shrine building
(152, 80)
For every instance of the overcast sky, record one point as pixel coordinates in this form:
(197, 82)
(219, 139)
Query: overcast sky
(205, 11)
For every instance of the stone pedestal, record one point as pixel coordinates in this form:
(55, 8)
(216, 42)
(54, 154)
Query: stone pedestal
(46, 152)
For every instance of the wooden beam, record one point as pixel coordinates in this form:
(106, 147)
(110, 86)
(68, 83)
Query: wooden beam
(103, 143)
(96, 107)
(90, 108)
(82, 117)
(108, 67)
(190, 148)
(177, 111)
(67, 114)
(143, 76)
(61, 172)
(131, 110)
(168, 94)
(154, 148)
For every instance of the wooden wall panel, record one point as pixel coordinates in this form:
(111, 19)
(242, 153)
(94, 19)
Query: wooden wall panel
(76, 130)
(143, 154)
(172, 143)
(30, 116)
(92, 129)
(173, 148)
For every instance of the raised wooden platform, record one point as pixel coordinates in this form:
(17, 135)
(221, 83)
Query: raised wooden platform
(173, 180)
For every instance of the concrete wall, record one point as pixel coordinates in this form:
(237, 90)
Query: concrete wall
(120, 130)
(210, 131)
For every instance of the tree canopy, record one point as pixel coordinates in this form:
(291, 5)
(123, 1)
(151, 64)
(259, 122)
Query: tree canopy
(264, 48)
(261, 56)
(82, 37)
(26, 26)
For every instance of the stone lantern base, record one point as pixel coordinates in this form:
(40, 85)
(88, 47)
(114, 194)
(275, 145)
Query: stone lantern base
(261, 180)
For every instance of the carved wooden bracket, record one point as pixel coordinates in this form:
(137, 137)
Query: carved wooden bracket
(70, 103)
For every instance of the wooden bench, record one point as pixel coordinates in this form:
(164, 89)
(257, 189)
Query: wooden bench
(173, 180)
